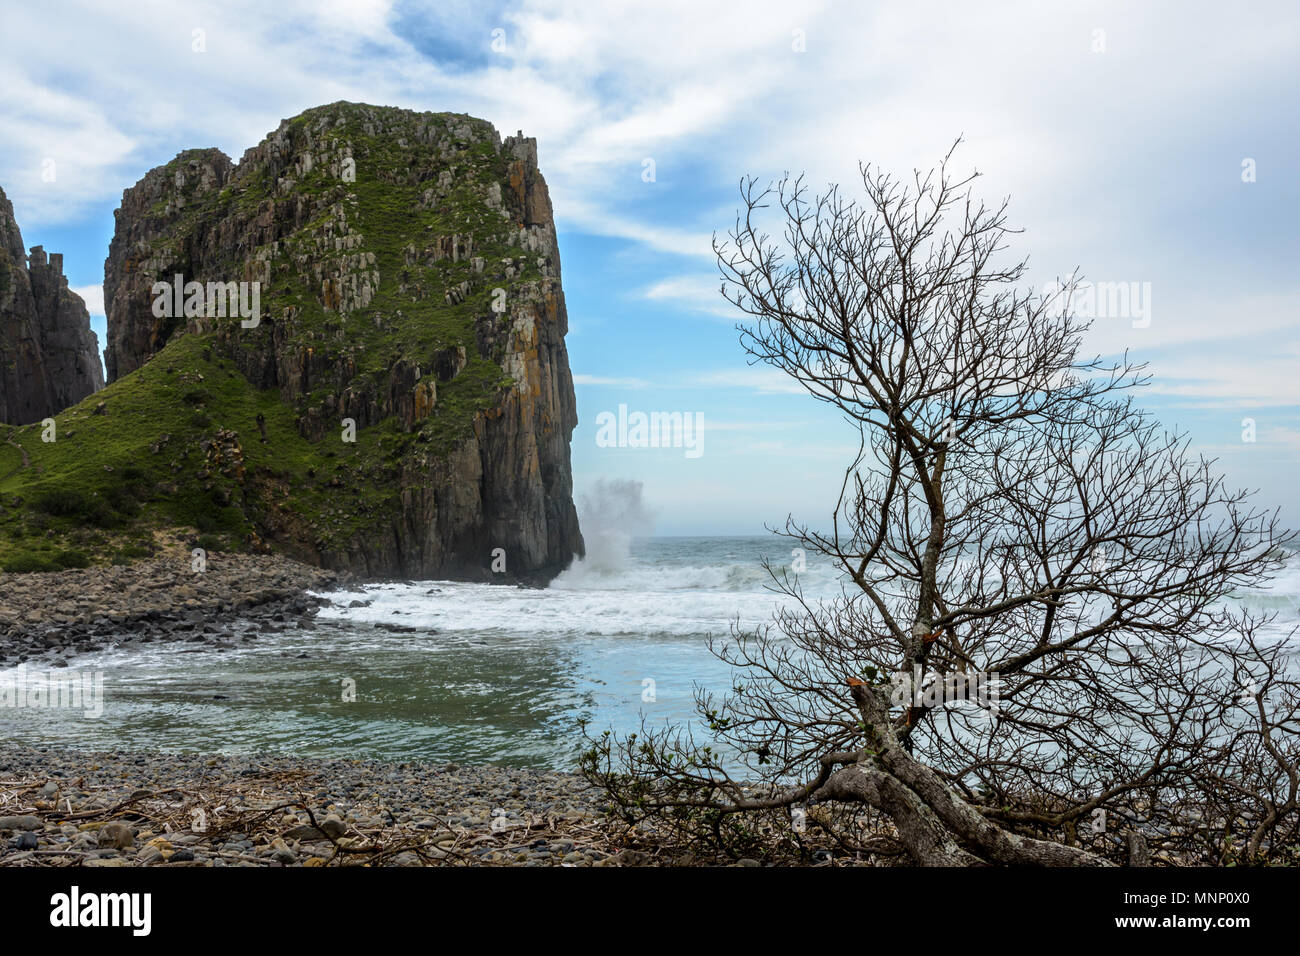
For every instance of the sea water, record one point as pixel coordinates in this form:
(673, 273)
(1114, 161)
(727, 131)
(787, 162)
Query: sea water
(471, 673)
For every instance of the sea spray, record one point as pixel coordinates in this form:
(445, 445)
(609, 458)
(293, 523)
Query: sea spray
(611, 515)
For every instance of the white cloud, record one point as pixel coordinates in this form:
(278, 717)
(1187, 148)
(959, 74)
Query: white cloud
(610, 382)
(93, 296)
(696, 293)
(756, 378)
(711, 94)
(579, 211)
(58, 148)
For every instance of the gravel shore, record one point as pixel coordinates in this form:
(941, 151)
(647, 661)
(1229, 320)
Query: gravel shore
(45, 618)
(60, 808)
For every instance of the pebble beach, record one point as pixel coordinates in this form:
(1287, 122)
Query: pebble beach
(46, 618)
(61, 808)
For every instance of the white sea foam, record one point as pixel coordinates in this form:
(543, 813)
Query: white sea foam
(643, 597)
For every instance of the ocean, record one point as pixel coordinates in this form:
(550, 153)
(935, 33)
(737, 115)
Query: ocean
(453, 672)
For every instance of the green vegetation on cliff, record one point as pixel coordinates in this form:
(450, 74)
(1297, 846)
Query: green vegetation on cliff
(146, 454)
(358, 282)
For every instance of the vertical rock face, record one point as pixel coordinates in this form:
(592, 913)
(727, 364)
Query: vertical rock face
(49, 357)
(152, 209)
(408, 279)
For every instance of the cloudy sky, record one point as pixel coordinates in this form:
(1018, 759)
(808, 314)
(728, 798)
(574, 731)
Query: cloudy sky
(1119, 130)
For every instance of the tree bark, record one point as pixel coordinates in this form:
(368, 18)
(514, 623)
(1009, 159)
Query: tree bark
(937, 827)
(926, 839)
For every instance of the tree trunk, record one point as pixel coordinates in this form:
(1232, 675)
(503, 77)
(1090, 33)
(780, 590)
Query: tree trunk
(936, 826)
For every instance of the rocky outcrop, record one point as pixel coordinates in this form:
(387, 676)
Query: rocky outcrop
(156, 599)
(151, 210)
(49, 357)
(408, 278)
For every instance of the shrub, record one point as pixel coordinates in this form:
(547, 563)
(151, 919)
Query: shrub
(128, 553)
(99, 514)
(62, 502)
(210, 542)
(121, 500)
(29, 563)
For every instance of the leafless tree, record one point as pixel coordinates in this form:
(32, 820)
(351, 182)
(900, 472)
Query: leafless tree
(1014, 527)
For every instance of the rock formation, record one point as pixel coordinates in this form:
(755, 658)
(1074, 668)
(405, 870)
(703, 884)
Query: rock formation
(408, 278)
(49, 357)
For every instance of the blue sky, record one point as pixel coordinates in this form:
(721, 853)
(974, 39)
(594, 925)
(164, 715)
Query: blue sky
(1119, 130)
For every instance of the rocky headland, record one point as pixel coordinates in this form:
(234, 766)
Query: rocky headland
(380, 389)
(347, 349)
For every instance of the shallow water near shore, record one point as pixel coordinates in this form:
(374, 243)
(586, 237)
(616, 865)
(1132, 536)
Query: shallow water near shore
(443, 671)
(453, 672)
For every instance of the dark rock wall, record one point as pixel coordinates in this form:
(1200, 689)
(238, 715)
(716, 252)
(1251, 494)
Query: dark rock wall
(49, 357)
